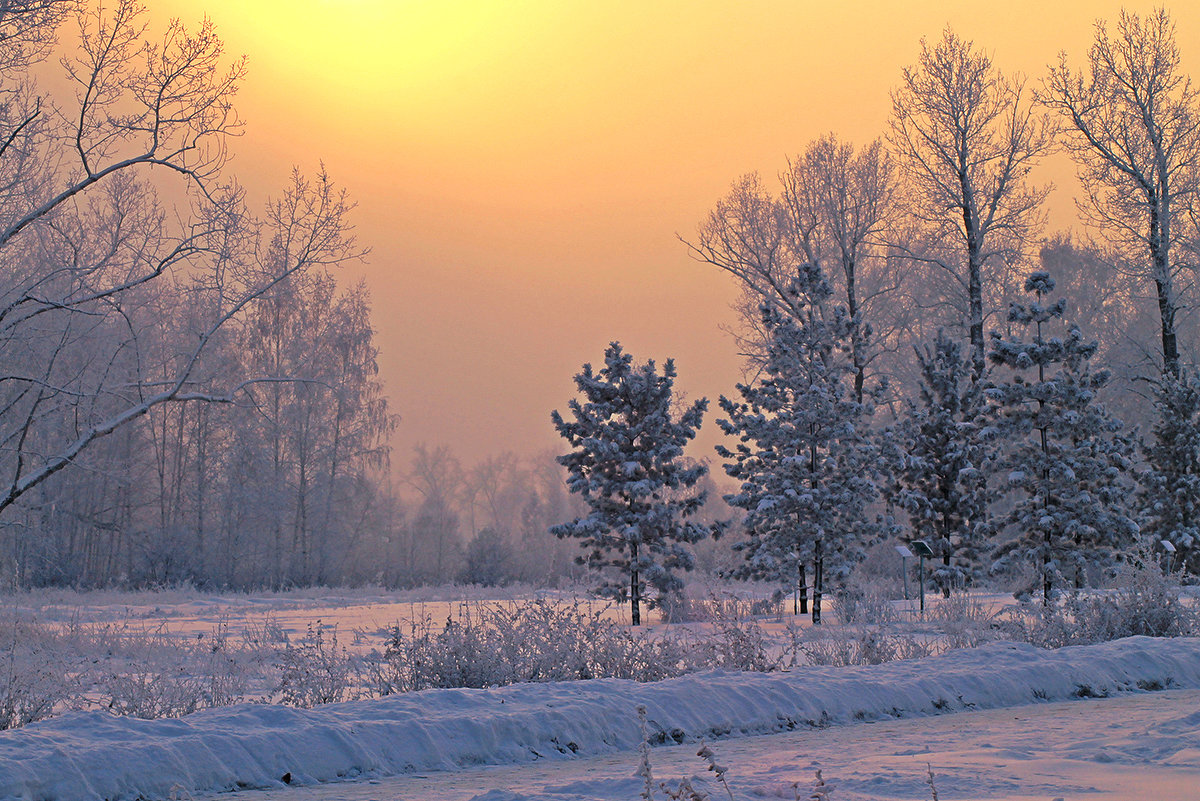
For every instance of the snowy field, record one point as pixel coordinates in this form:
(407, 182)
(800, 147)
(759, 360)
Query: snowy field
(191, 613)
(579, 740)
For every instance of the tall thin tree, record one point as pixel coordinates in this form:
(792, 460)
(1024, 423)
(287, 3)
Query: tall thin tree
(967, 137)
(1133, 125)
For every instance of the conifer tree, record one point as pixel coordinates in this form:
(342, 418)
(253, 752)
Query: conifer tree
(1066, 458)
(804, 457)
(1170, 493)
(940, 461)
(628, 466)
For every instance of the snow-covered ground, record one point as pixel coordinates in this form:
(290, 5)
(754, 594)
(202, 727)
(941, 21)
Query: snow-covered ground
(96, 755)
(1127, 748)
(190, 613)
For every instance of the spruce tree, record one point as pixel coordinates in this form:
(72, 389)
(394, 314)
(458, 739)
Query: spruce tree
(1170, 492)
(628, 466)
(1065, 457)
(939, 463)
(804, 458)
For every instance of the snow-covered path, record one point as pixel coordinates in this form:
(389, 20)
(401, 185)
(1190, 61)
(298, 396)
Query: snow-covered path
(96, 755)
(1129, 748)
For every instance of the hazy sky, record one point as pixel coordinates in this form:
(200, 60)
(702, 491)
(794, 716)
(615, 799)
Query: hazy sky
(522, 168)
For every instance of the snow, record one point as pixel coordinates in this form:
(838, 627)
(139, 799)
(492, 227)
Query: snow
(1126, 748)
(191, 613)
(97, 755)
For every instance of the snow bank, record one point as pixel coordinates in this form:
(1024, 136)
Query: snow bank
(96, 755)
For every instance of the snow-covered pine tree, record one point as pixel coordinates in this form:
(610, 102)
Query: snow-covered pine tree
(804, 458)
(1064, 454)
(1170, 493)
(939, 477)
(628, 466)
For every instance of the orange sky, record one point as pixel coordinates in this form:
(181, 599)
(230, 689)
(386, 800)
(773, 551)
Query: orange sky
(522, 167)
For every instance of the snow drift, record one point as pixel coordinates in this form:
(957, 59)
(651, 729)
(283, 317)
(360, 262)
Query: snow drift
(97, 755)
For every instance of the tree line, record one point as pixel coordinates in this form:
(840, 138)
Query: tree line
(188, 392)
(914, 370)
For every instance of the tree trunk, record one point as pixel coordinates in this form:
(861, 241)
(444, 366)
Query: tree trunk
(1160, 258)
(802, 593)
(947, 548)
(1046, 588)
(1167, 316)
(818, 584)
(634, 588)
(974, 277)
(856, 337)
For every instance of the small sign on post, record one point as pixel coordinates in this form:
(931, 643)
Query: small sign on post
(905, 555)
(923, 550)
(1169, 547)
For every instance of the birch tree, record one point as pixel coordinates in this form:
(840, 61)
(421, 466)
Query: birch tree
(841, 203)
(835, 208)
(967, 137)
(84, 238)
(1133, 128)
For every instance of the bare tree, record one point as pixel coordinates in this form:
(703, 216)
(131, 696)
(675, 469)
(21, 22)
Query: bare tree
(437, 476)
(85, 242)
(749, 236)
(840, 205)
(967, 139)
(835, 210)
(1134, 130)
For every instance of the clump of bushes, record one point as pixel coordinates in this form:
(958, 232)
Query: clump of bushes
(864, 603)
(542, 640)
(317, 670)
(123, 667)
(1146, 601)
(138, 667)
(141, 669)
(35, 674)
(868, 645)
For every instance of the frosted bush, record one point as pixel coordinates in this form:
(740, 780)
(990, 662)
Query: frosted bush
(678, 608)
(264, 634)
(1146, 601)
(150, 673)
(736, 641)
(961, 608)
(963, 621)
(153, 694)
(317, 670)
(536, 641)
(34, 676)
(872, 645)
(864, 603)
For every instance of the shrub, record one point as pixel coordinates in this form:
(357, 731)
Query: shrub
(536, 641)
(316, 670)
(1145, 602)
(736, 641)
(964, 621)
(867, 646)
(35, 678)
(864, 603)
